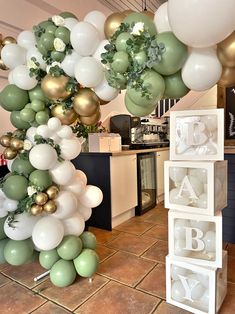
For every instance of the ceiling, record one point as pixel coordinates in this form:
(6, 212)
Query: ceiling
(135, 5)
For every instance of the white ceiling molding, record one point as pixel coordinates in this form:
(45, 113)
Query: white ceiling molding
(45, 6)
(135, 5)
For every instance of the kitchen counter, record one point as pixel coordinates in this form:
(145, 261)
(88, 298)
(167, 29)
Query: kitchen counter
(127, 152)
(229, 150)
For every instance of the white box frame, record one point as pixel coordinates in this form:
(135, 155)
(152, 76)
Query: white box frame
(220, 134)
(210, 166)
(172, 215)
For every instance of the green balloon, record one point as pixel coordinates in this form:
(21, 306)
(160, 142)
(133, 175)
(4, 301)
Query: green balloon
(63, 33)
(42, 49)
(48, 258)
(175, 87)
(88, 240)
(140, 57)
(173, 57)
(18, 252)
(133, 18)
(86, 263)
(58, 56)
(15, 187)
(47, 40)
(12, 98)
(70, 247)
(2, 246)
(136, 110)
(37, 105)
(51, 29)
(27, 115)
(65, 15)
(37, 93)
(121, 40)
(119, 78)
(63, 273)
(2, 232)
(41, 178)
(120, 62)
(17, 122)
(45, 24)
(22, 166)
(42, 117)
(28, 106)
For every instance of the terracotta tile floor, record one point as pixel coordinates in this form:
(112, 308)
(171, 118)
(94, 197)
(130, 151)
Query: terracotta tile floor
(130, 279)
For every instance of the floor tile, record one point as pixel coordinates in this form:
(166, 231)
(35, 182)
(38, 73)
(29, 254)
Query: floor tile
(157, 252)
(131, 226)
(160, 218)
(231, 268)
(155, 282)
(16, 299)
(125, 268)
(159, 232)
(104, 236)
(71, 297)
(131, 243)
(228, 306)
(51, 308)
(25, 273)
(104, 252)
(165, 308)
(115, 298)
(4, 280)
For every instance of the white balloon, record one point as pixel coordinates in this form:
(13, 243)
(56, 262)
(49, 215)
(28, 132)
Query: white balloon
(196, 287)
(43, 157)
(100, 49)
(26, 39)
(92, 196)
(70, 22)
(66, 205)
(48, 233)
(191, 24)
(62, 172)
(84, 211)
(210, 122)
(176, 271)
(22, 79)
(10, 205)
(84, 38)
(178, 291)
(204, 226)
(177, 173)
(70, 148)
(175, 198)
(210, 241)
(82, 176)
(65, 132)
(106, 92)
(204, 301)
(10, 77)
(161, 20)
(196, 184)
(199, 173)
(202, 69)
(54, 124)
(34, 53)
(179, 248)
(13, 55)
(22, 226)
(97, 19)
(74, 225)
(68, 64)
(30, 133)
(89, 72)
(76, 185)
(44, 131)
(202, 201)
(3, 212)
(9, 163)
(204, 279)
(179, 228)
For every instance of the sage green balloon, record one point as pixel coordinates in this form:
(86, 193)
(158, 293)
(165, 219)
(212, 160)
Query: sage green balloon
(45, 24)
(63, 33)
(70, 247)
(174, 56)
(88, 240)
(63, 273)
(86, 263)
(57, 56)
(2, 232)
(136, 110)
(120, 80)
(121, 40)
(37, 105)
(51, 29)
(22, 166)
(42, 49)
(18, 252)
(37, 93)
(33, 258)
(41, 178)
(15, 187)
(175, 87)
(67, 14)
(48, 258)
(120, 62)
(140, 57)
(47, 40)
(42, 117)
(12, 98)
(17, 122)
(27, 114)
(133, 18)
(2, 246)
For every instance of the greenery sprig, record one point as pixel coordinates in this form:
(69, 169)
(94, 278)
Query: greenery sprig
(83, 130)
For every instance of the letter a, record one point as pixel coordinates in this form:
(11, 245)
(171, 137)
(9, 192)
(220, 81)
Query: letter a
(186, 186)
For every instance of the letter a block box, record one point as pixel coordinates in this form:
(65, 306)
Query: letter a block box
(194, 288)
(196, 187)
(197, 135)
(195, 239)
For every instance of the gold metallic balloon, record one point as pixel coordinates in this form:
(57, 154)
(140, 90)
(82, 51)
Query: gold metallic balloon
(226, 51)
(112, 23)
(55, 87)
(149, 14)
(52, 192)
(36, 210)
(85, 102)
(50, 207)
(227, 77)
(41, 198)
(90, 120)
(8, 40)
(127, 12)
(66, 116)
(16, 144)
(5, 140)
(3, 66)
(9, 153)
